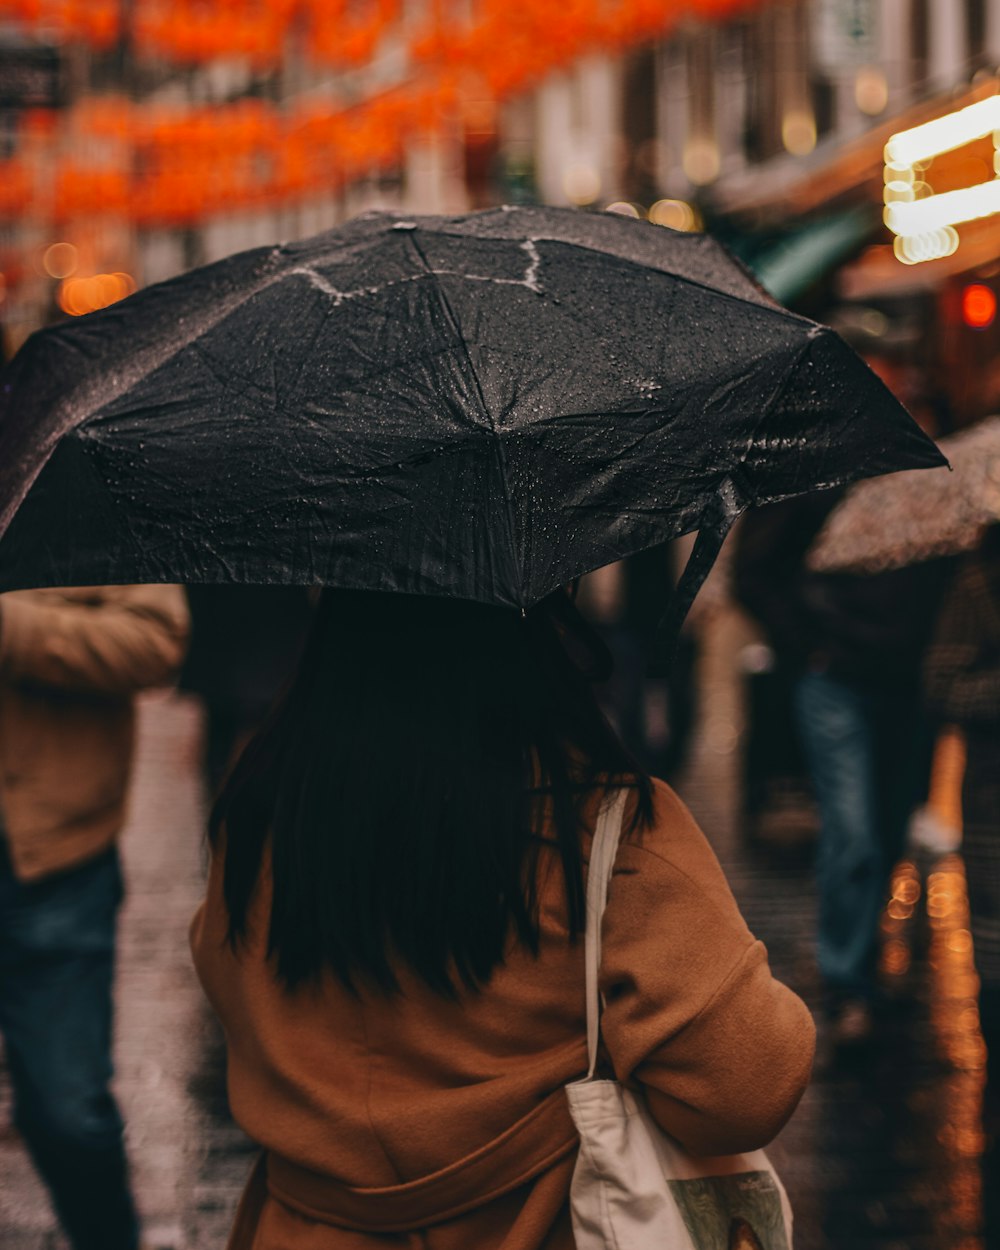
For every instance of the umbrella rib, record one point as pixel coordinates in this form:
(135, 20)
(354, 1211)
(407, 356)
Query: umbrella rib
(322, 283)
(497, 441)
(773, 307)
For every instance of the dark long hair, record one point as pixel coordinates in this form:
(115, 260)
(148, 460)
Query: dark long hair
(406, 781)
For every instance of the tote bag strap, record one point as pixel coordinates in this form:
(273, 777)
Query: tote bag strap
(602, 861)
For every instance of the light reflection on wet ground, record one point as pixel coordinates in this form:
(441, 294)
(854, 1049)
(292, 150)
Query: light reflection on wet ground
(883, 1153)
(955, 1020)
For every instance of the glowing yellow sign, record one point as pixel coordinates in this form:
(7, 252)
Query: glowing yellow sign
(922, 221)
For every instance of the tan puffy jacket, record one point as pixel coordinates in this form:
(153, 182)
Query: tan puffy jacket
(70, 663)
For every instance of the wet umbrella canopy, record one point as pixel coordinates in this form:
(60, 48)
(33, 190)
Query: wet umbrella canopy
(911, 517)
(483, 407)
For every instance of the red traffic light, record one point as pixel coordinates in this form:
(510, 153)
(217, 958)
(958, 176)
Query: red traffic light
(979, 305)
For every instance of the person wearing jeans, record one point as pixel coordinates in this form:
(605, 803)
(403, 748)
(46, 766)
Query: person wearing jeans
(851, 645)
(71, 662)
(865, 748)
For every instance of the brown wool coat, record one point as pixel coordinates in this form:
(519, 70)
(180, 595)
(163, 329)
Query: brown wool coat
(417, 1122)
(70, 663)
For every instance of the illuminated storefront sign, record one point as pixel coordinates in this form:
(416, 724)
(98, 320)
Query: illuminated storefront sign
(922, 221)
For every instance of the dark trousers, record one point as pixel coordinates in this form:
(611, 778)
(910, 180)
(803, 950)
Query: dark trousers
(56, 981)
(867, 754)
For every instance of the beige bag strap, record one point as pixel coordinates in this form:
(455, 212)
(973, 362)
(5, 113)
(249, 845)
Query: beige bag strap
(602, 862)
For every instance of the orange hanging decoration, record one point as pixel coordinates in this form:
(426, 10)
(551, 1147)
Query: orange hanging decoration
(178, 165)
(17, 186)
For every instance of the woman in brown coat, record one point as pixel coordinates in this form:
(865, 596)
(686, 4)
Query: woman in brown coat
(391, 939)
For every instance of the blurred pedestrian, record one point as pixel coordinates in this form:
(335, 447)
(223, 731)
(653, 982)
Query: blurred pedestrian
(245, 641)
(962, 674)
(70, 663)
(854, 645)
(390, 938)
(626, 601)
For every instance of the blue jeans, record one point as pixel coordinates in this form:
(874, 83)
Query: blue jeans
(56, 980)
(866, 750)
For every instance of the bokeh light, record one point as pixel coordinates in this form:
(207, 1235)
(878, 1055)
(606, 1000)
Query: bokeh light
(933, 245)
(871, 90)
(677, 214)
(78, 296)
(60, 260)
(798, 132)
(581, 184)
(979, 306)
(702, 161)
(623, 208)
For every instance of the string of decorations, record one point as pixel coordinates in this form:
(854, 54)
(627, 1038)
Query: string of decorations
(339, 32)
(172, 166)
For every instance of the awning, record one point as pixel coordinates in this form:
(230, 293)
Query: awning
(790, 266)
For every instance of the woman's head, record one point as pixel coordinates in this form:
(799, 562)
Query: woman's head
(400, 779)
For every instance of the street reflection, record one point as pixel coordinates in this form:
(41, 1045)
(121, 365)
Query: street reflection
(955, 1021)
(898, 1136)
(904, 895)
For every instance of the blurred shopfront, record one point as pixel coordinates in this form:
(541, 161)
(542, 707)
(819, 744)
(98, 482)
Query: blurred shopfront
(150, 136)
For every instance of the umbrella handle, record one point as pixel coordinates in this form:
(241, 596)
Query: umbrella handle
(716, 523)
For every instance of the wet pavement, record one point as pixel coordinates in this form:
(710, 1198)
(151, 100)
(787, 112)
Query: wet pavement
(883, 1151)
(881, 1154)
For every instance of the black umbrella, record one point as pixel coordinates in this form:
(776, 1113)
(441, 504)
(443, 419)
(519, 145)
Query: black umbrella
(482, 407)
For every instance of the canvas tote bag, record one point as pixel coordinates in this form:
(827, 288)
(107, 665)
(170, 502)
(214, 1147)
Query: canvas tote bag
(633, 1187)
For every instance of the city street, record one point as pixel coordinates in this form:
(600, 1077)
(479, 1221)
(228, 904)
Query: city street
(881, 1154)
(691, 308)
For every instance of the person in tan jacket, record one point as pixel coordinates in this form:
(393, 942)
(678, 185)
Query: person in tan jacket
(71, 662)
(392, 939)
